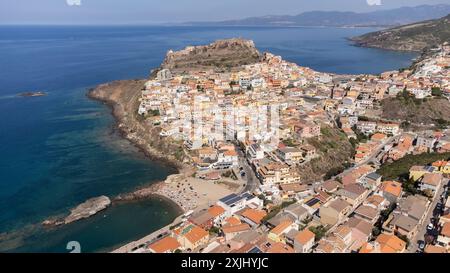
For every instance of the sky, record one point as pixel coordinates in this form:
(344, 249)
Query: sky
(175, 11)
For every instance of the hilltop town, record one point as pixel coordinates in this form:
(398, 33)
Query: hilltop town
(296, 160)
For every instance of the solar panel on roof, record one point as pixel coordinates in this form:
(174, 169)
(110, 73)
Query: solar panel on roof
(234, 200)
(228, 197)
(247, 195)
(312, 202)
(255, 250)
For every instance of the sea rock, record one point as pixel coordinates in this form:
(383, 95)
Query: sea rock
(32, 94)
(87, 209)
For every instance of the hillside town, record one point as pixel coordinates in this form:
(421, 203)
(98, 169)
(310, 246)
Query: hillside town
(254, 124)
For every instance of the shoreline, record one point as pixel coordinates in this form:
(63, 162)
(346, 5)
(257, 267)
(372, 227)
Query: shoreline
(123, 130)
(124, 127)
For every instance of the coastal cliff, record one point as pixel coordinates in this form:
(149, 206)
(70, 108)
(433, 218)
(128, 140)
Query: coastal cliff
(414, 37)
(123, 98)
(220, 55)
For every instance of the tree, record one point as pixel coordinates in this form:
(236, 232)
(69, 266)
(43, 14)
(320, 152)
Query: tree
(214, 230)
(436, 92)
(405, 239)
(319, 232)
(376, 231)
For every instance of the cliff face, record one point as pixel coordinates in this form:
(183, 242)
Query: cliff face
(220, 55)
(414, 37)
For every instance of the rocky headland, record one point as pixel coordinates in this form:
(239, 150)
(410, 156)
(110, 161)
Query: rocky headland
(220, 55)
(413, 37)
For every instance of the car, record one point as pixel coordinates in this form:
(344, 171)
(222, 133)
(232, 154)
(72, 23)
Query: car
(421, 245)
(430, 227)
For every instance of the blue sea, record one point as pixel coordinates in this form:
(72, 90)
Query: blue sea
(61, 149)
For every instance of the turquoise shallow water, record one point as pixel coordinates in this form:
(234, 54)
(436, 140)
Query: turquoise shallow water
(59, 150)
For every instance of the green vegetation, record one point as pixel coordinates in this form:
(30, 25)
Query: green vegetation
(409, 187)
(265, 200)
(289, 142)
(405, 239)
(415, 37)
(214, 230)
(378, 227)
(406, 98)
(319, 232)
(276, 210)
(436, 91)
(304, 223)
(179, 153)
(442, 123)
(337, 170)
(363, 118)
(333, 149)
(227, 174)
(405, 125)
(400, 169)
(153, 113)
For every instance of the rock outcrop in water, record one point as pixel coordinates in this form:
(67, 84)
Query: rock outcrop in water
(220, 55)
(32, 94)
(87, 209)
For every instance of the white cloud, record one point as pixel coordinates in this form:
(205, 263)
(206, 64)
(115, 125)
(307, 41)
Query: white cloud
(374, 2)
(73, 2)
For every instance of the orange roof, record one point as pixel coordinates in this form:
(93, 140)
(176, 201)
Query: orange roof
(446, 230)
(366, 248)
(280, 248)
(440, 163)
(392, 187)
(446, 146)
(281, 227)
(304, 236)
(230, 153)
(232, 221)
(196, 234)
(236, 228)
(215, 210)
(390, 243)
(254, 215)
(167, 244)
(378, 136)
(434, 249)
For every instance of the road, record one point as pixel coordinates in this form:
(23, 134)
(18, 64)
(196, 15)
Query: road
(374, 155)
(422, 229)
(252, 181)
(149, 238)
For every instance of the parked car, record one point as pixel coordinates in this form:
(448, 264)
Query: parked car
(421, 245)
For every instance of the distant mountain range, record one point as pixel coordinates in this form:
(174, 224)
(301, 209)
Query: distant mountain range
(394, 17)
(412, 37)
